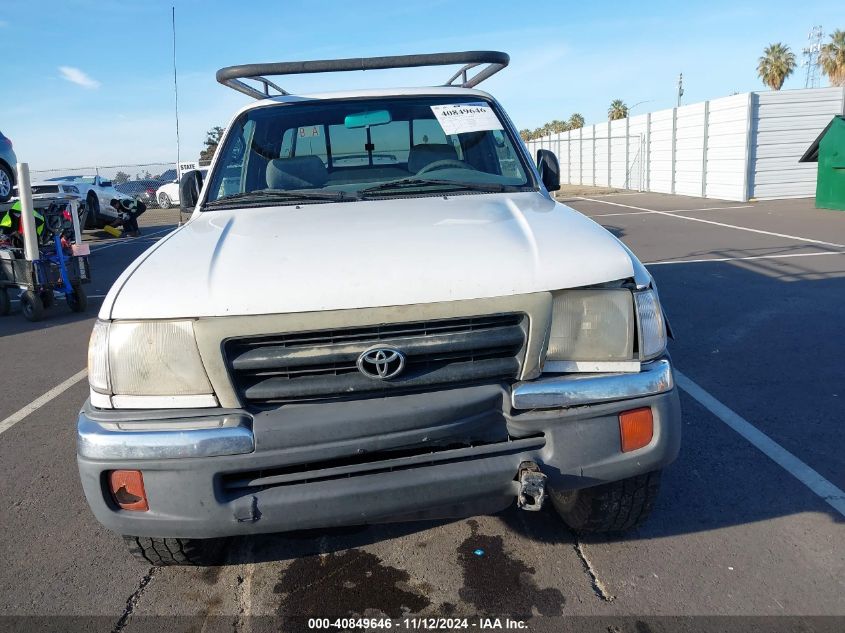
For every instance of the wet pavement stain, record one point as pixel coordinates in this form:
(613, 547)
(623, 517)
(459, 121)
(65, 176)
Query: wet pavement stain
(498, 584)
(210, 575)
(350, 583)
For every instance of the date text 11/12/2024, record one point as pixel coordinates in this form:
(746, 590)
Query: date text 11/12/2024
(438, 624)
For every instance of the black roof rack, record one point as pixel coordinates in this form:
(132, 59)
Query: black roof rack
(232, 75)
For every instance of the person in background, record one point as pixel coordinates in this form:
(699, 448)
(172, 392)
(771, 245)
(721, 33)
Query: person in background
(128, 212)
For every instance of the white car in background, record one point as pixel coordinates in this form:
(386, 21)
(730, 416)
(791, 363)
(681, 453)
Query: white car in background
(95, 191)
(168, 194)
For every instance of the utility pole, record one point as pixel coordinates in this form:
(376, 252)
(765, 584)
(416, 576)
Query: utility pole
(680, 88)
(811, 57)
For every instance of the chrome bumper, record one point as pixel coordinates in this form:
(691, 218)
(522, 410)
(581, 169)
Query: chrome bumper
(583, 389)
(232, 434)
(166, 439)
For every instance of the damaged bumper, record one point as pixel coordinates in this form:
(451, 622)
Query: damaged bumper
(449, 453)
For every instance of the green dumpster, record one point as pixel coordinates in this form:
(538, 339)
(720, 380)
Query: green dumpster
(828, 150)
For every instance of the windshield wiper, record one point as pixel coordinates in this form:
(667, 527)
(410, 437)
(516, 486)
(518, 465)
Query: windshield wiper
(404, 183)
(273, 195)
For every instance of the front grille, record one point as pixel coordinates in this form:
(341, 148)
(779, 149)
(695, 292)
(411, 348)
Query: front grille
(37, 189)
(321, 365)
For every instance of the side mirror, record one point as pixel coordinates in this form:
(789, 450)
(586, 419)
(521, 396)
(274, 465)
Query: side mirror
(549, 169)
(189, 190)
(105, 183)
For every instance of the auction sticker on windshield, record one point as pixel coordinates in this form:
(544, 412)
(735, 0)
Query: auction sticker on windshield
(459, 118)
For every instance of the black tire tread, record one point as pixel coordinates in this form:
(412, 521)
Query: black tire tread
(618, 506)
(32, 306)
(78, 300)
(163, 552)
(11, 175)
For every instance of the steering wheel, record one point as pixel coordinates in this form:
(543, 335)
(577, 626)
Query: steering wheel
(445, 164)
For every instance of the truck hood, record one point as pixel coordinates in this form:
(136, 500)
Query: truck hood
(366, 254)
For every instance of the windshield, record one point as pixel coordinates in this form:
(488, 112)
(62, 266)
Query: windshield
(365, 149)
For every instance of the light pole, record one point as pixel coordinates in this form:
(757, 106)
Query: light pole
(638, 103)
(680, 88)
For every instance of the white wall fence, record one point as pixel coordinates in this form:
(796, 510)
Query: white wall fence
(734, 148)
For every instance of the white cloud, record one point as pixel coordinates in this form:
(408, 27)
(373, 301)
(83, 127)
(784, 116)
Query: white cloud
(3, 23)
(76, 76)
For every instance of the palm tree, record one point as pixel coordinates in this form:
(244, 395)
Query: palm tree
(537, 133)
(559, 126)
(576, 121)
(776, 64)
(832, 58)
(617, 110)
(525, 135)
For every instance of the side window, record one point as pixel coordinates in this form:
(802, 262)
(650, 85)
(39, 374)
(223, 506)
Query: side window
(508, 164)
(348, 146)
(309, 140)
(233, 171)
(390, 142)
(429, 132)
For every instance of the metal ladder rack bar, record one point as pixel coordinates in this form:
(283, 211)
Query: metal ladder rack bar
(233, 76)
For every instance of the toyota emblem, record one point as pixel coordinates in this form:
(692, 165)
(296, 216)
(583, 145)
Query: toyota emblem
(383, 363)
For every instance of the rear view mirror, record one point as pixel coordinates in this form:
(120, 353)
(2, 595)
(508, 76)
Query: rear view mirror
(549, 169)
(189, 190)
(367, 119)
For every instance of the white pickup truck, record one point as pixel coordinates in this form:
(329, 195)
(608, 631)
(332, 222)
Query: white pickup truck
(422, 332)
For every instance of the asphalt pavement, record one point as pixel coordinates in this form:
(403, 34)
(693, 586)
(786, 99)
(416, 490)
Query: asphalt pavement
(750, 522)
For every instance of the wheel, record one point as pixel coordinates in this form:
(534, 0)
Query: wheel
(164, 201)
(77, 300)
(163, 552)
(47, 298)
(32, 306)
(614, 507)
(7, 181)
(92, 212)
(5, 302)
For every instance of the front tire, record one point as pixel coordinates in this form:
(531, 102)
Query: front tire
(164, 201)
(92, 218)
(6, 183)
(618, 506)
(165, 552)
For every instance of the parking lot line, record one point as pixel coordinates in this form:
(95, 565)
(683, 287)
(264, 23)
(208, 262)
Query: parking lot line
(722, 224)
(738, 259)
(610, 215)
(762, 442)
(40, 401)
(128, 240)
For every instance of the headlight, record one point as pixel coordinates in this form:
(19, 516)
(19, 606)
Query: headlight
(147, 359)
(592, 325)
(652, 324)
(70, 188)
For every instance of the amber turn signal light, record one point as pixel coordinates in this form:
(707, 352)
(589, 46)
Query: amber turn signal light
(636, 428)
(127, 490)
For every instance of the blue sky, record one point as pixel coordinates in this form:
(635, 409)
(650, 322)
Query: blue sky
(89, 82)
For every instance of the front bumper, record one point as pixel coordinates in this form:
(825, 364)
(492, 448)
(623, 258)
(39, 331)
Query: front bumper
(455, 452)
